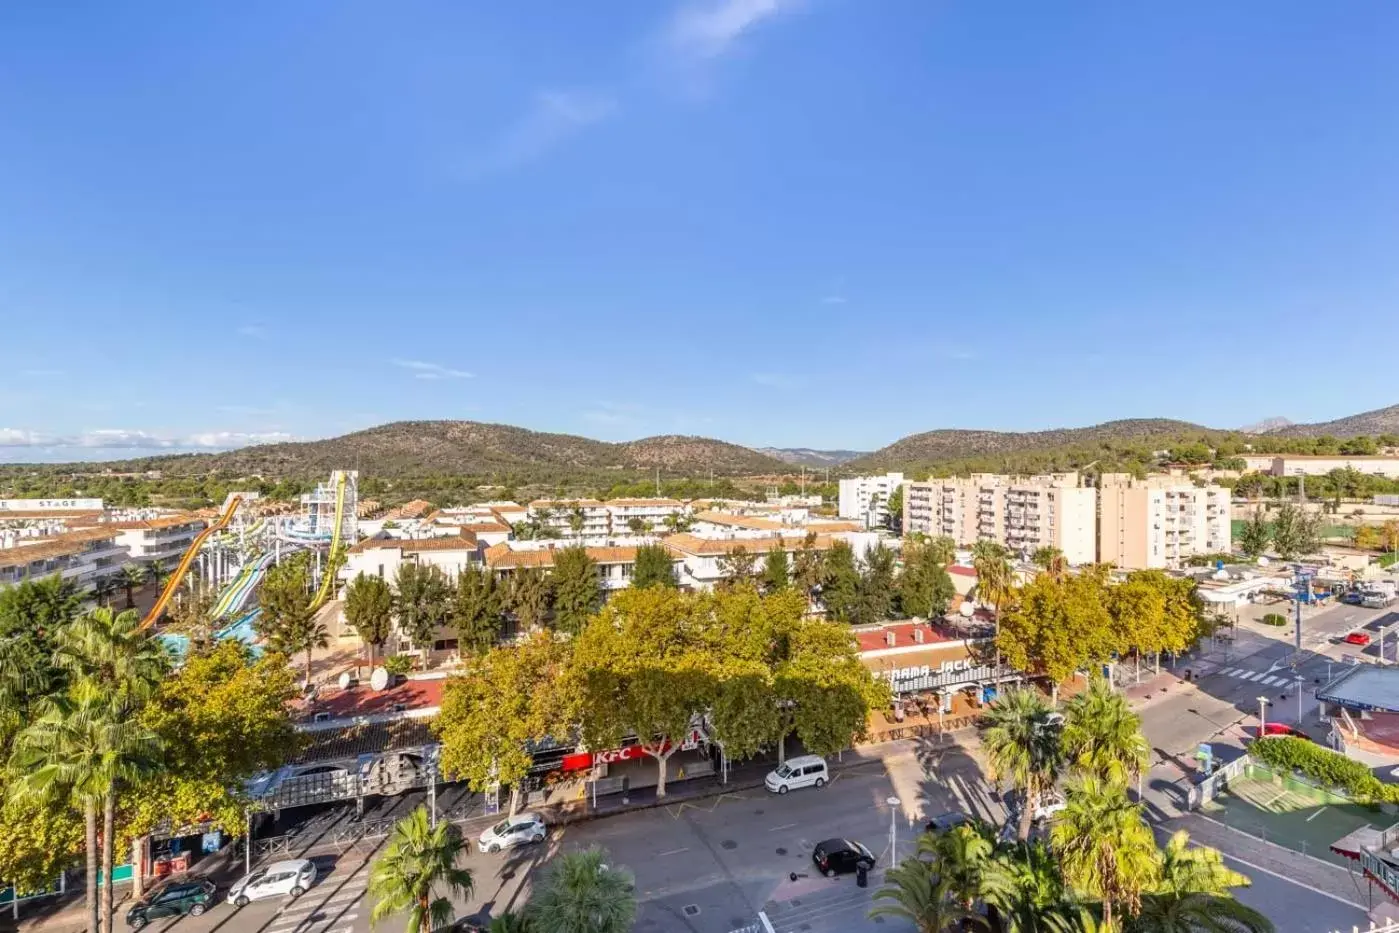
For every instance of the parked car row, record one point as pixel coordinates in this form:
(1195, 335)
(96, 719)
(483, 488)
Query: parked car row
(193, 896)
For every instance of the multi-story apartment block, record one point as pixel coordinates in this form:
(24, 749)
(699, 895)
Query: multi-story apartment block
(865, 499)
(80, 557)
(1160, 521)
(1023, 513)
(641, 516)
(585, 518)
(158, 540)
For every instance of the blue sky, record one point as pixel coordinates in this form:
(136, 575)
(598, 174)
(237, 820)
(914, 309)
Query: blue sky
(791, 222)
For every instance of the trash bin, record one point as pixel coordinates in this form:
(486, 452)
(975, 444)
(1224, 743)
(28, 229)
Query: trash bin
(862, 876)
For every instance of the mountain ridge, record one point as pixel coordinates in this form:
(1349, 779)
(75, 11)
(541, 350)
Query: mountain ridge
(1377, 421)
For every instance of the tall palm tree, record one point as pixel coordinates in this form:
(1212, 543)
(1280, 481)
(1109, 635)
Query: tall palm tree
(132, 577)
(79, 749)
(509, 923)
(1102, 734)
(112, 659)
(1023, 744)
(918, 893)
(583, 894)
(1191, 895)
(1105, 849)
(995, 580)
(418, 862)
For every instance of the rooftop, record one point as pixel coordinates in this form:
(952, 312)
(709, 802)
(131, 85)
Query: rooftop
(877, 638)
(1364, 687)
(74, 542)
(739, 521)
(463, 540)
(157, 524)
(694, 544)
(502, 557)
(421, 696)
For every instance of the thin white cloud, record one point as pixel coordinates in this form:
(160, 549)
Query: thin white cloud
(124, 439)
(612, 415)
(706, 30)
(553, 117)
(778, 380)
(252, 331)
(431, 371)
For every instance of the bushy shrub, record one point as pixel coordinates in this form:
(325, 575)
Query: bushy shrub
(398, 664)
(1274, 618)
(1324, 767)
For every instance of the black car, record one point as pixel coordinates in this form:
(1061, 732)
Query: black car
(841, 856)
(172, 899)
(945, 821)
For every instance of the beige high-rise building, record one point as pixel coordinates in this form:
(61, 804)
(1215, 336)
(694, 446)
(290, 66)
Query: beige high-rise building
(1159, 521)
(1023, 513)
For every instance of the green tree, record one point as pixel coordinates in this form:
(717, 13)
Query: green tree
(369, 610)
(654, 566)
(776, 575)
(476, 609)
(1105, 848)
(1256, 534)
(133, 577)
(1051, 560)
(418, 862)
(840, 587)
(1023, 747)
(1022, 883)
(914, 890)
(824, 691)
(995, 577)
(503, 702)
(1058, 627)
(529, 597)
(1191, 895)
(423, 595)
(895, 506)
(1102, 734)
(877, 587)
(808, 568)
(636, 525)
(962, 855)
(288, 621)
(577, 590)
(79, 749)
(925, 588)
(738, 565)
(583, 893)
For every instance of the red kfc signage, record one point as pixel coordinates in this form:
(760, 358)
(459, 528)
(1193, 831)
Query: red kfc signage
(581, 761)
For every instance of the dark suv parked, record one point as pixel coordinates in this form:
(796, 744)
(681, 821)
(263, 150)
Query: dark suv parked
(840, 856)
(172, 899)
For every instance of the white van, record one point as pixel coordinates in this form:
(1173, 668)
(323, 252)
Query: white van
(802, 771)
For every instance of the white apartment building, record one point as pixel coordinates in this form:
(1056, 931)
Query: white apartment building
(1315, 465)
(81, 557)
(865, 498)
(1160, 521)
(158, 540)
(451, 551)
(649, 514)
(1022, 513)
(562, 514)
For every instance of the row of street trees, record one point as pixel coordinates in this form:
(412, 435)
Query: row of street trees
(747, 669)
(1099, 870)
(1292, 532)
(104, 743)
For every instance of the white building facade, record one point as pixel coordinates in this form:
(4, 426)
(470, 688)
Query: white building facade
(865, 499)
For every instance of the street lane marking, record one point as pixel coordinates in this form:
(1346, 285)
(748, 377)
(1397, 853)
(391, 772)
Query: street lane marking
(1300, 884)
(1315, 815)
(783, 826)
(673, 851)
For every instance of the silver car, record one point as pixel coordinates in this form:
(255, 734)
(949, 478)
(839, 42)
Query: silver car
(520, 829)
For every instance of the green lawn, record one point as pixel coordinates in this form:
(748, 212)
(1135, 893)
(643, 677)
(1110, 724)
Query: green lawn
(1297, 816)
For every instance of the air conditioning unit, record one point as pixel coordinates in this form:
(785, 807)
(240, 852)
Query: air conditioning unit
(918, 635)
(889, 638)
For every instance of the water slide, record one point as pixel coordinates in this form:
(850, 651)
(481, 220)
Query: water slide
(173, 583)
(244, 630)
(328, 579)
(236, 594)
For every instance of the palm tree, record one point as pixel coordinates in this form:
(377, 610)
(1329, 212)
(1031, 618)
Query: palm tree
(576, 520)
(1105, 849)
(995, 580)
(1023, 744)
(80, 748)
(1192, 895)
(583, 894)
(961, 855)
(920, 894)
(1102, 734)
(1051, 559)
(103, 589)
(418, 861)
(132, 577)
(1022, 884)
(509, 923)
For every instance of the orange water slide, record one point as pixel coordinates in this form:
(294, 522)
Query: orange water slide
(174, 582)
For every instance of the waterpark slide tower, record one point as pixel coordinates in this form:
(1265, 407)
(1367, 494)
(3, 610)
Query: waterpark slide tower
(331, 505)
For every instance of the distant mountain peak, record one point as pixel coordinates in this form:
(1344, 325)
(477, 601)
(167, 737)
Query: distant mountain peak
(806, 456)
(1267, 425)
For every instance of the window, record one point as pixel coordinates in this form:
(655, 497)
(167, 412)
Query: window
(381, 571)
(445, 644)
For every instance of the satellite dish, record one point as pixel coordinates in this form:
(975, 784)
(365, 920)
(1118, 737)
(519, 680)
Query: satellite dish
(966, 609)
(379, 679)
(348, 679)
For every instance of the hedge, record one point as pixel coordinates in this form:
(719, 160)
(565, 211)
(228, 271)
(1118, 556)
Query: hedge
(1274, 618)
(1325, 767)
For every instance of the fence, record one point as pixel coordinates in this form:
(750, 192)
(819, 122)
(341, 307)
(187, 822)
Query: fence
(1210, 787)
(1390, 926)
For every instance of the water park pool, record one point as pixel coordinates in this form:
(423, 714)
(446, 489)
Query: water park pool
(243, 630)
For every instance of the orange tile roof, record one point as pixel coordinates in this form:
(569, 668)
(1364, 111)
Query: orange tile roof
(502, 557)
(74, 542)
(37, 515)
(155, 524)
(833, 527)
(659, 503)
(564, 503)
(693, 544)
(413, 509)
(739, 521)
(464, 540)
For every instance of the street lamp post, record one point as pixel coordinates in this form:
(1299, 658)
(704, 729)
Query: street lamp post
(1262, 716)
(893, 803)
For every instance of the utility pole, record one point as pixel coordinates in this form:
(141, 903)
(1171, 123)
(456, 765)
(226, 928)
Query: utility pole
(1262, 716)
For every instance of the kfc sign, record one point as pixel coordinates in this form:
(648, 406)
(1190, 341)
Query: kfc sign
(580, 761)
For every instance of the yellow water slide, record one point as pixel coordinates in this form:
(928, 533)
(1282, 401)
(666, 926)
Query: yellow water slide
(174, 582)
(328, 579)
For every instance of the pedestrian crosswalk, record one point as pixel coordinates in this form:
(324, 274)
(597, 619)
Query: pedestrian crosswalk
(332, 909)
(1259, 677)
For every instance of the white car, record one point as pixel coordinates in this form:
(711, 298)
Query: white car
(520, 829)
(290, 878)
(802, 771)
